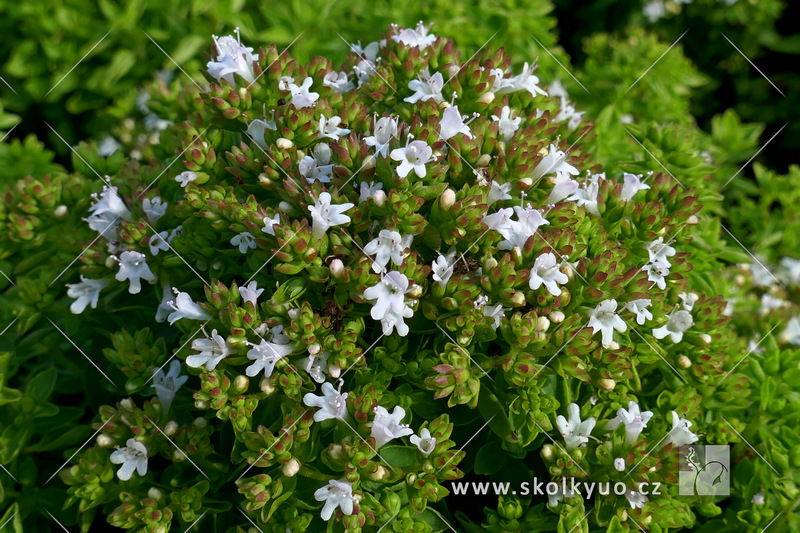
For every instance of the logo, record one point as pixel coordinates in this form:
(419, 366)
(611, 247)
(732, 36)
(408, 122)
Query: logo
(705, 470)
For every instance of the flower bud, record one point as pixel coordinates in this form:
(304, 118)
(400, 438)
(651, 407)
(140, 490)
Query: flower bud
(525, 183)
(518, 299)
(490, 263)
(171, 428)
(486, 98)
(155, 493)
(516, 253)
(483, 161)
(336, 452)
(201, 404)
(240, 383)
(693, 220)
(542, 323)
(369, 162)
(61, 212)
(606, 384)
(416, 291)
(111, 262)
(379, 198)
(178, 457)
(291, 468)
(126, 403)
(684, 362)
(286, 207)
(284, 144)
(264, 179)
(380, 474)
(614, 345)
(447, 199)
(706, 338)
(266, 385)
(294, 313)
(104, 441)
(200, 422)
(567, 270)
(334, 371)
(547, 452)
(337, 268)
(557, 317)
(322, 152)
(314, 349)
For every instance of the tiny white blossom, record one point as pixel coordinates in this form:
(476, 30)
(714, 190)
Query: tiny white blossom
(386, 427)
(770, 303)
(545, 271)
(264, 356)
(498, 192)
(443, 267)
(106, 212)
(164, 308)
(388, 245)
(688, 299)
(567, 113)
(331, 403)
(657, 273)
(619, 464)
(250, 292)
(654, 10)
(232, 58)
(604, 318)
(680, 435)
(636, 499)
(586, 196)
(86, 292)
(501, 221)
(424, 442)
(526, 80)
(418, 37)
(660, 252)
(679, 321)
(426, 87)
(167, 385)
(318, 167)
(301, 95)
(325, 215)
(316, 365)
(257, 128)
(414, 156)
(634, 420)
(269, 224)
(560, 494)
(631, 185)
(133, 268)
(364, 71)
(451, 123)
(790, 270)
(527, 224)
(338, 81)
(212, 351)
(564, 187)
(496, 312)
(758, 499)
(186, 177)
(108, 146)
(132, 457)
(154, 209)
(575, 431)
(159, 242)
(507, 125)
(329, 128)
(384, 130)
(184, 307)
(368, 190)
(336, 494)
(245, 241)
(639, 308)
(792, 332)
(554, 162)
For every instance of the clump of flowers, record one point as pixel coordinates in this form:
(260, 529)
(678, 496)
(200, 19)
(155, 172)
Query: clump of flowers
(367, 267)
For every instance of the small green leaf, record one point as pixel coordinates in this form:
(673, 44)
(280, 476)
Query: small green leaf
(42, 384)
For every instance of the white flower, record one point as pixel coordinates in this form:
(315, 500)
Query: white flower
(688, 299)
(232, 58)
(269, 224)
(769, 303)
(386, 427)
(154, 209)
(424, 442)
(245, 241)
(131, 457)
(317, 168)
(507, 125)
(562, 188)
(385, 129)
(392, 320)
(107, 211)
(657, 272)
(619, 464)
(184, 307)
(364, 71)
(452, 122)
(368, 190)
(636, 499)
(86, 292)
(331, 403)
(336, 494)
(325, 215)
(265, 355)
(525, 80)
(546, 271)
(337, 81)
(497, 192)
(762, 277)
(635, 421)
(605, 319)
(659, 252)
(758, 498)
(212, 351)
(680, 435)
(185, 178)
(330, 128)
(316, 365)
(370, 51)
(654, 10)
(133, 267)
(257, 128)
(679, 321)
(301, 96)
(250, 292)
(568, 113)
(555, 161)
(792, 332)
(560, 494)
(418, 37)
(443, 267)
(387, 245)
(639, 308)
(388, 294)
(164, 308)
(587, 196)
(631, 185)
(791, 270)
(575, 431)
(496, 312)
(501, 221)
(414, 156)
(167, 385)
(527, 224)
(159, 242)
(108, 146)
(426, 87)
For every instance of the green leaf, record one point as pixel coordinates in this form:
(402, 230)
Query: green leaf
(13, 439)
(399, 456)
(16, 523)
(488, 461)
(41, 385)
